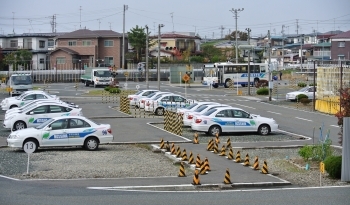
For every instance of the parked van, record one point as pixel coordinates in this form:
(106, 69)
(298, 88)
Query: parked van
(19, 83)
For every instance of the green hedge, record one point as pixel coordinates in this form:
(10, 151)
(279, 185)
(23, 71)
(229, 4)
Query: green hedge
(302, 84)
(301, 96)
(333, 166)
(114, 90)
(262, 91)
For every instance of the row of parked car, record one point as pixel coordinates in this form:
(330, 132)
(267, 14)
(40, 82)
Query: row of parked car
(43, 120)
(209, 117)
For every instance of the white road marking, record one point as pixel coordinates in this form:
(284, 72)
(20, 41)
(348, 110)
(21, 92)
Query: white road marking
(334, 125)
(303, 119)
(243, 106)
(274, 112)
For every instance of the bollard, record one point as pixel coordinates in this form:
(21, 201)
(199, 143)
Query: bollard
(161, 144)
(182, 170)
(228, 143)
(217, 139)
(223, 151)
(246, 160)
(184, 155)
(172, 150)
(238, 157)
(227, 178)
(216, 148)
(178, 152)
(195, 140)
(167, 146)
(230, 154)
(191, 160)
(198, 162)
(256, 164)
(196, 180)
(264, 169)
(207, 164)
(203, 168)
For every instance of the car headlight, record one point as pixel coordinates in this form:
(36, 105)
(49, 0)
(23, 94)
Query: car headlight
(9, 118)
(13, 136)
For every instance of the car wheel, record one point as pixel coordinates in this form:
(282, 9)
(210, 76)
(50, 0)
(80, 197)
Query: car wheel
(19, 125)
(13, 106)
(30, 144)
(215, 129)
(91, 143)
(264, 129)
(86, 84)
(215, 85)
(159, 111)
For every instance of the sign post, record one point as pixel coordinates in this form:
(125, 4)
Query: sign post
(29, 147)
(321, 172)
(185, 78)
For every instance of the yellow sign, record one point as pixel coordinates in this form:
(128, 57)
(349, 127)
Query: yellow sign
(185, 77)
(3, 80)
(322, 167)
(8, 89)
(126, 74)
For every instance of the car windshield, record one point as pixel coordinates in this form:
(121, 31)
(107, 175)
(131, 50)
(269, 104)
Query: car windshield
(209, 112)
(157, 97)
(103, 73)
(22, 80)
(21, 95)
(150, 95)
(303, 89)
(201, 108)
(41, 126)
(138, 92)
(191, 106)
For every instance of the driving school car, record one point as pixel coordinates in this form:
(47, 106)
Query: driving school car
(144, 99)
(134, 99)
(38, 114)
(230, 119)
(25, 98)
(63, 131)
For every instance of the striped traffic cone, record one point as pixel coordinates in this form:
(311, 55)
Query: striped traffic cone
(162, 144)
(217, 139)
(227, 179)
(207, 168)
(256, 164)
(211, 146)
(228, 143)
(223, 151)
(191, 160)
(264, 169)
(182, 170)
(246, 160)
(196, 180)
(167, 146)
(178, 152)
(216, 148)
(198, 162)
(203, 168)
(172, 150)
(230, 154)
(195, 140)
(238, 157)
(184, 155)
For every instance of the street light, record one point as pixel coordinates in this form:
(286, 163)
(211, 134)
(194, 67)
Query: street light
(158, 67)
(235, 11)
(147, 76)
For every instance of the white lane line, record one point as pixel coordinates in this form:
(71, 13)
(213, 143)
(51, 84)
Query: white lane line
(334, 125)
(277, 113)
(243, 106)
(303, 119)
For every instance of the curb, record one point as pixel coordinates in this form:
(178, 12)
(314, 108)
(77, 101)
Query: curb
(109, 117)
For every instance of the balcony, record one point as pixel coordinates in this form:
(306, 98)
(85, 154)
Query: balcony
(322, 53)
(27, 45)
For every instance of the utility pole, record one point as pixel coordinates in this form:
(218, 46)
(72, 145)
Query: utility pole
(172, 20)
(301, 52)
(158, 67)
(222, 30)
(269, 66)
(13, 22)
(282, 46)
(147, 71)
(99, 24)
(248, 30)
(123, 46)
(110, 27)
(80, 17)
(235, 11)
(297, 27)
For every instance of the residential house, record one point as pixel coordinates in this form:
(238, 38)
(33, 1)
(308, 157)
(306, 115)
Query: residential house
(340, 46)
(87, 48)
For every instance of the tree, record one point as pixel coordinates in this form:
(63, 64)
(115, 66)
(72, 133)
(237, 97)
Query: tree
(345, 110)
(243, 36)
(137, 39)
(209, 51)
(20, 57)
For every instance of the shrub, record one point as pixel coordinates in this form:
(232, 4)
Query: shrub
(306, 152)
(301, 84)
(311, 84)
(107, 88)
(301, 96)
(305, 101)
(333, 166)
(322, 151)
(262, 91)
(114, 90)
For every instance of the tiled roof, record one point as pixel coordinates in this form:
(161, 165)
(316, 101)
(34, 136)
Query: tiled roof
(342, 35)
(86, 33)
(67, 50)
(322, 45)
(174, 35)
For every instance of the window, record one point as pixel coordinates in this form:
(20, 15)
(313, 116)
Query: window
(13, 43)
(59, 124)
(72, 43)
(240, 114)
(41, 44)
(224, 113)
(78, 123)
(55, 109)
(179, 99)
(30, 97)
(87, 43)
(40, 110)
(40, 96)
(341, 57)
(51, 43)
(166, 99)
(341, 44)
(61, 60)
(41, 61)
(108, 43)
(109, 60)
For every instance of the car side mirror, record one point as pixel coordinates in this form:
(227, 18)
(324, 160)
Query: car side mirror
(48, 128)
(31, 113)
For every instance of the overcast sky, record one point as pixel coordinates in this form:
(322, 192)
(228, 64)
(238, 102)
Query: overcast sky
(204, 17)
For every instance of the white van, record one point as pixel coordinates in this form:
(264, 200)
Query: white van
(19, 83)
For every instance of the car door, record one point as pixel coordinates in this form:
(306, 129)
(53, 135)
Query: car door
(37, 116)
(27, 99)
(57, 136)
(76, 131)
(243, 122)
(226, 120)
(56, 111)
(167, 102)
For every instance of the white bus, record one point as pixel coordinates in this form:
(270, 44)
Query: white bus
(221, 73)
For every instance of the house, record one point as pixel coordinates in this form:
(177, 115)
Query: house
(39, 44)
(87, 48)
(340, 46)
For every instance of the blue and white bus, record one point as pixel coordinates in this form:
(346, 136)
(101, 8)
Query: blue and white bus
(223, 72)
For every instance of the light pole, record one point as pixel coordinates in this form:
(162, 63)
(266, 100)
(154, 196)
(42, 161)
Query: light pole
(248, 30)
(147, 73)
(158, 67)
(235, 11)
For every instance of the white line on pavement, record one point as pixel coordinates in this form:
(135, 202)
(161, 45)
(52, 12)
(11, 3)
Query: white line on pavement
(274, 112)
(303, 119)
(243, 106)
(334, 125)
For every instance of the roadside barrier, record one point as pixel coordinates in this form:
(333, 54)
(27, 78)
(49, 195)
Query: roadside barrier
(167, 146)
(256, 164)
(223, 151)
(166, 120)
(184, 155)
(198, 162)
(238, 157)
(196, 180)
(228, 143)
(207, 164)
(217, 139)
(264, 169)
(191, 160)
(173, 122)
(182, 170)
(246, 160)
(172, 150)
(161, 143)
(178, 152)
(227, 178)
(216, 148)
(230, 154)
(195, 140)
(124, 104)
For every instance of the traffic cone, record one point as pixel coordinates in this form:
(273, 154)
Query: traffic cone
(211, 147)
(238, 157)
(264, 169)
(184, 155)
(182, 170)
(178, 152)
(227, 179)
(207, 165)
(198, 162)
(195, 140)
(203, 168)
(167, 146)
(216, 148)
(191, 160)
(196, 180)
(172, 150)
(246, 160)
(217, 139)
(230, 154)
(256, 164)
(223, 151)
(162, 143)
(228, 143)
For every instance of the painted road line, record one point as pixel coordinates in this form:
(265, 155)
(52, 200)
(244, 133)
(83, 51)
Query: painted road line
(274, 112)
(303, 119)
(334, 125)
(243, 106)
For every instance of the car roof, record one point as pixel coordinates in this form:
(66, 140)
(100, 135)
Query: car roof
(223, 108)
(69, 117)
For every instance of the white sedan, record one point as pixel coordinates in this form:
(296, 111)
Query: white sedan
(230, 119)
(144, 100)
(308, 91)
(134, 99)
(26, 97)
(63, 131)
(190, 116)
(167, 101)
(34, 116)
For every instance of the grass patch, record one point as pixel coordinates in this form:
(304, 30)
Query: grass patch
(143, 146)
(290, 167)
(36, 88)
(97, 93)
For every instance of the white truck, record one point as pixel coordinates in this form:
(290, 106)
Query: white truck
(19, 83)
(98, 76)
